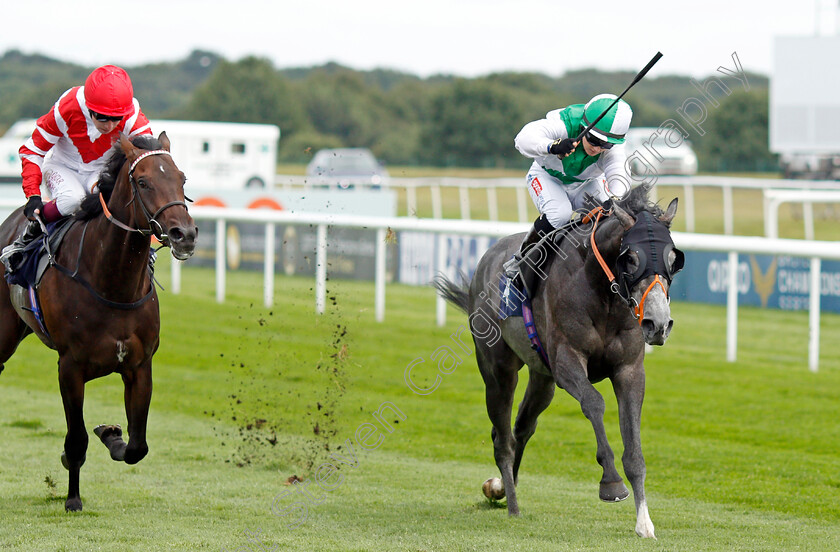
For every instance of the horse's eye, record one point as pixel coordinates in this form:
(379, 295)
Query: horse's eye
(676, 261)
(632, 261)
(143, 183)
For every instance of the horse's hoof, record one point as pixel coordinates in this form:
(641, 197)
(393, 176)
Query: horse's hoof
(103, 431)
(73, 505)
(493, 488)
(613, 492)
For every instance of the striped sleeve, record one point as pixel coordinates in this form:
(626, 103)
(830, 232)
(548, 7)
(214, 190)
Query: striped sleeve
(137, 123)
(47, 133)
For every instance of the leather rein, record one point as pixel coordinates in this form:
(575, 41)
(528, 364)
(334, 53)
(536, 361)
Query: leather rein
(638, 309)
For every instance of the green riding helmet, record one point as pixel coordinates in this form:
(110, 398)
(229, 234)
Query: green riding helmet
(614, 125)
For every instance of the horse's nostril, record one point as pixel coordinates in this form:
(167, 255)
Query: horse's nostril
(176, 235)
(648, 327)
(670, 326)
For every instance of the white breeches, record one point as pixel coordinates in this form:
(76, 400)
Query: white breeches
(67, 187)
(556, 200)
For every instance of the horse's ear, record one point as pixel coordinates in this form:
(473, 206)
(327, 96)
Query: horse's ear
(131, 152)
(164, 140)
(670, 212)
(626, 219)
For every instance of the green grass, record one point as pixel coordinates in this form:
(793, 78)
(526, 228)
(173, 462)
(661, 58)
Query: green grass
(742, 456)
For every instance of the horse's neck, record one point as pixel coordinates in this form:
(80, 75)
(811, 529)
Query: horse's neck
(581, 264)
(121, 259)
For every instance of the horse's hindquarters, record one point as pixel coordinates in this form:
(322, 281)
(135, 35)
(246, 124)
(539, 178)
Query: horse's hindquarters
(19, 298)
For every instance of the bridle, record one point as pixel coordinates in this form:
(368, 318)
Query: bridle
(623, 289)
(155, 228)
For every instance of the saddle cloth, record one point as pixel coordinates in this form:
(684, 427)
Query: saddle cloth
(35, 258)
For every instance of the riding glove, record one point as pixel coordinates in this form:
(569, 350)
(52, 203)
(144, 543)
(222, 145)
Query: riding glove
(32, 204)
(562, 148)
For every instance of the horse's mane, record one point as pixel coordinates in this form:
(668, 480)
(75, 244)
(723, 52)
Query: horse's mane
(91, 206)
(637, 200)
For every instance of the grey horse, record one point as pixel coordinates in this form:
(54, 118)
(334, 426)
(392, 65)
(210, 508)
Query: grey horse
(592, 326)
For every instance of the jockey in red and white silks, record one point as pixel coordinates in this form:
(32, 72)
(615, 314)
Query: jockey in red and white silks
(78, 132)
(70, 146)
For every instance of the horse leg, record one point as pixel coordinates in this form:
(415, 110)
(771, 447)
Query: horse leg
(138, 396)
(571, 376)
(12, 328)
(538, 396)
(500, 377)
(76, 441)
(629, 385)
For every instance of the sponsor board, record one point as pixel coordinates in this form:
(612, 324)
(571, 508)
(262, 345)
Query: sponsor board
(351, 252)
(779, 282)
(418, 253)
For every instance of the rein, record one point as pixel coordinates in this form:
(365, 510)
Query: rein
(157, 230)
(637, 308)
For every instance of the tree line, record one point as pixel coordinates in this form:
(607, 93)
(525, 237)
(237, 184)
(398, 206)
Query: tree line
(443, 120)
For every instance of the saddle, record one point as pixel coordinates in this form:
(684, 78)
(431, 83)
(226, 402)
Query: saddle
(37, 254)
(515, 294)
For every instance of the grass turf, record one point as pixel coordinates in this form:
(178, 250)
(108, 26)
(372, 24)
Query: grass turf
(741, 456)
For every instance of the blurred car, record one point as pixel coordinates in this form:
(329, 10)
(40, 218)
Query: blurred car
(678, 160)
(346, 168)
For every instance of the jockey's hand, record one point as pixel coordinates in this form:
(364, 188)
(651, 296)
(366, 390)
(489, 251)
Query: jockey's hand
(34, 206)
(562, 148)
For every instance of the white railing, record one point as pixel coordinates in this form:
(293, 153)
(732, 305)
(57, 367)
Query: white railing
(465, 186)
(322, 221)
(435, 186)
(774, 198)
(734, 245)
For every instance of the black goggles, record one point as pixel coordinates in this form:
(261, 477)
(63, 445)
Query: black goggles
(105, 118)
(597, 142)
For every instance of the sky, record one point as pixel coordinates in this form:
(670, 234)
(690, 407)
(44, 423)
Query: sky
(461, 37)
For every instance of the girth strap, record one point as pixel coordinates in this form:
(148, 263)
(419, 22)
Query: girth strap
(107, 302)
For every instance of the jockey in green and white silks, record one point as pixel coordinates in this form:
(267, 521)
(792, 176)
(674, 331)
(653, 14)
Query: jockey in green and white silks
(557, 184)
(564, 171)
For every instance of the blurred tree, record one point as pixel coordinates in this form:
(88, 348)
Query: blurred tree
(439, 120)
(472, 123)
(33, 102)
(163, 89)
(736, 135)
(248, 91)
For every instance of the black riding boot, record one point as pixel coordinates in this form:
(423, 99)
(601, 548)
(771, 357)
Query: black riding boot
(13, 253)
(527, 273)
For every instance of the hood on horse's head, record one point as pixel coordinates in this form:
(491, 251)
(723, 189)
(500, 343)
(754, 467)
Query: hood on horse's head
(91, 207)
(638, 200)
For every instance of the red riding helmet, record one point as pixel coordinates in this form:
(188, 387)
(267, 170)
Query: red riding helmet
(108, 91)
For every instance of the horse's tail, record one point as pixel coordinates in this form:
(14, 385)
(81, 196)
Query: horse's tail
(458, 295)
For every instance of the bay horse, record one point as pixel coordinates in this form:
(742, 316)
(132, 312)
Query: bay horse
(587, 333)
(99, 307)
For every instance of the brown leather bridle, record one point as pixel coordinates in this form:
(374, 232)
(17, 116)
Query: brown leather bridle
(155, 228)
